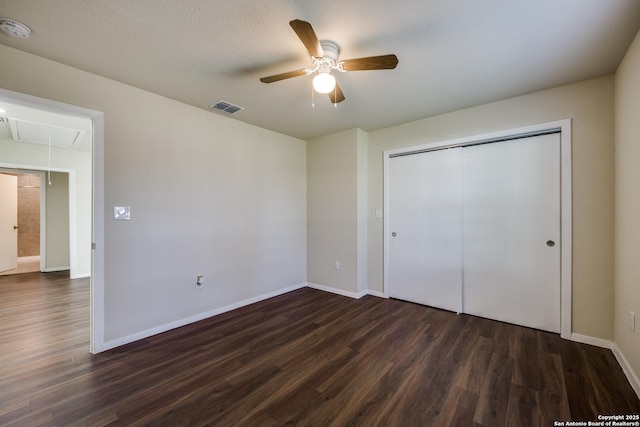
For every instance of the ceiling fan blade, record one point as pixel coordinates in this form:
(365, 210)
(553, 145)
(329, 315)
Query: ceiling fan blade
(382, 62)
(305, 32)
(282, 76)
(336, 95)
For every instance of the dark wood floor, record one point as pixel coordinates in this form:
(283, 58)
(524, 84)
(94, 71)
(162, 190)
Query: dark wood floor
(305, 358)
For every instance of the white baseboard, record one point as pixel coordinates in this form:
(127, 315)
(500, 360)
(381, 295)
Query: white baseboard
(53, 269)
(182, 322)
(377, 294)
(345, 293)
(586, 339)
(626, 368)
(622, 361)
(336, 290)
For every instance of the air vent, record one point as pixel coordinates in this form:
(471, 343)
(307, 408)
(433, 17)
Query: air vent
(227, 107)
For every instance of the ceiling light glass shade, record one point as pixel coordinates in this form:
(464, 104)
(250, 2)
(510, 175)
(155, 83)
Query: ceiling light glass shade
(324, 83)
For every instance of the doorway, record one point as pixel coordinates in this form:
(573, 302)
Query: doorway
(29, 222)
(86, 247)
(43, 222)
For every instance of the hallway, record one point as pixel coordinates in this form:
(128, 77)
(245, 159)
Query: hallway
(26, 264)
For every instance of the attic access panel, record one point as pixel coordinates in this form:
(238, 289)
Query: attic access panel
(38, 133)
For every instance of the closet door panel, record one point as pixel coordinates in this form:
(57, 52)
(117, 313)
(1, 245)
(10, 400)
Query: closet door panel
(511, 224)
(425, 228)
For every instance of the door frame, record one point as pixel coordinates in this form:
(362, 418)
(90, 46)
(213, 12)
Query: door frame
(96, 281)
(564, 127)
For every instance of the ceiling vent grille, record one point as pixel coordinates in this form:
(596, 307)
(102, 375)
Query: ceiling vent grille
(227, 107)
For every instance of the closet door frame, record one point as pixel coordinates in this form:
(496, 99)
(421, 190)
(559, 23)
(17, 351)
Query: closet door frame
(561, 126)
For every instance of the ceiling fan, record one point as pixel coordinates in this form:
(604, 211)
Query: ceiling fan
(324, 57)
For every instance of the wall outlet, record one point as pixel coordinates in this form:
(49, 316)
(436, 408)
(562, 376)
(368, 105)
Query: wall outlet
(199, 281)
(632, 321)
(336, 265)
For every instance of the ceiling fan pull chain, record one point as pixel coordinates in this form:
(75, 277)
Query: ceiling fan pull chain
(313, 98)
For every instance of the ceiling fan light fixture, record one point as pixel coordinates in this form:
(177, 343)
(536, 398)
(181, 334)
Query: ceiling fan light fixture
(324, 82)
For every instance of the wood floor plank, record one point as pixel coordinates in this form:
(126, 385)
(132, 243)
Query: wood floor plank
(305, 358)
(552, 394)
(523, 407)
(476, 365)
(494, 396)
(465, 409)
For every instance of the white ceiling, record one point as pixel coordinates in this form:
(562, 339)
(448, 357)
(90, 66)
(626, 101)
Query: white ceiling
(452, 54)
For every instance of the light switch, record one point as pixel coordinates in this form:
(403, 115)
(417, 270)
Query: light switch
(121, 213)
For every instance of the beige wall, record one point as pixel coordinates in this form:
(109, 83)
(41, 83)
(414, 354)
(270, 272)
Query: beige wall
(337, 211)
(57, 222)
(627, 204)
(590, 106)
(362, 178)
(209, 196)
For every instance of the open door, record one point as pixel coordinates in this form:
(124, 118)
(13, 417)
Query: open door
(8, 222)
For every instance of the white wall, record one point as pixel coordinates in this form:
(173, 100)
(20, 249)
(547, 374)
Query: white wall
(208, 195)
(36, 156)
(627, 204)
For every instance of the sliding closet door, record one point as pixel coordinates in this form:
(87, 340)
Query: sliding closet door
(425, 218)
(511, 225)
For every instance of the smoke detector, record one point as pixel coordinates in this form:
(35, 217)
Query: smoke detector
(14, 28)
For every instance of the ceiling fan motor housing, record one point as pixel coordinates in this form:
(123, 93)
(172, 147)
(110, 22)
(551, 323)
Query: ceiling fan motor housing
(330, 49)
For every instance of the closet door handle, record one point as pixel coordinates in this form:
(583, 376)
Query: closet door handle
(551, 243)
(393, 234)
(15, 227)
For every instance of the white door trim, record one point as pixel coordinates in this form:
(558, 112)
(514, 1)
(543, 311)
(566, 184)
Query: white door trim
(564, 126)
(97, 223)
